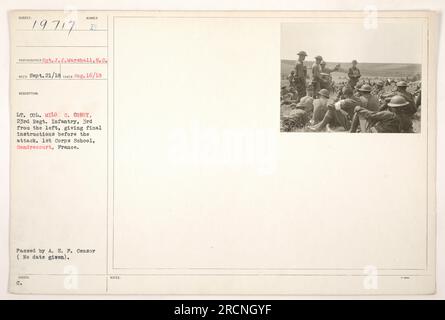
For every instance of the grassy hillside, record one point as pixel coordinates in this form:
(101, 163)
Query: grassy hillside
(389, 70)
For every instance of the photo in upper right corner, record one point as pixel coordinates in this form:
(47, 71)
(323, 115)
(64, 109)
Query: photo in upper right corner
(337, 76)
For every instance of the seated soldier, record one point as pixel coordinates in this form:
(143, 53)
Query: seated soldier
(325, 81)
(293, 118)
(378, 91)
(320, 106)
(291, 79)
(288, 98)
(369, 101)
(307, 102)
(411, 109)
(418, 98)
(340, 114)
(393, 120)
(284, 91)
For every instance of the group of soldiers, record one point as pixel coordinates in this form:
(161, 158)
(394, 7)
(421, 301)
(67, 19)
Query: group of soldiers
(356, 107)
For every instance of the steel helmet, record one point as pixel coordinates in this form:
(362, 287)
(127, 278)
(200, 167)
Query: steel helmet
(402, 84)
(365, 88)
(397, 101)
(302, 53)
(324, 93)
(318, 58)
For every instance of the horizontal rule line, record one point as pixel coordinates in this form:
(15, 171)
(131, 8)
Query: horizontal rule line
(102, 30)
(27, 46)
(60, 79)
(56, 63)
(233, 274)
(273, 269)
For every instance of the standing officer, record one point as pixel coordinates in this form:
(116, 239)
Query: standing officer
(316, 74)
(353, 74)
(300, 75)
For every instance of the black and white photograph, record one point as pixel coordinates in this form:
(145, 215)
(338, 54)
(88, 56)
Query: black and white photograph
(351, 77)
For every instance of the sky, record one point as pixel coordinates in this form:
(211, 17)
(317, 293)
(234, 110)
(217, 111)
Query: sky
(390, 42)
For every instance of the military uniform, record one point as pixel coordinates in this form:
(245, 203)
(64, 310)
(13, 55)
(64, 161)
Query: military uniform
(370, 102)
(377, 88)
(284, 91)
(411, 108)
(348, 105)
(394, 120)
(354, 75)
(306, 103)
(339, 115)
(316, 77)
(291, 79)
(320, 106)
(300, 79)
(387, 121)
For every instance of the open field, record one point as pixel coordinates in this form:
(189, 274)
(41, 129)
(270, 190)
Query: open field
(386, 70)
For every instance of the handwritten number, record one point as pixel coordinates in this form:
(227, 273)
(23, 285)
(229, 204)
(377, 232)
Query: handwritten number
(72, 26)
(57, 24)
(43, 23)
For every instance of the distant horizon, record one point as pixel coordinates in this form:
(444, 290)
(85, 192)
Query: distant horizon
(350, 63)
(385, 69)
